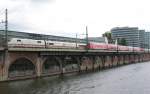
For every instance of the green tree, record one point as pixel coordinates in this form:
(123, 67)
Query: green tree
(122, 41)
(108, 35)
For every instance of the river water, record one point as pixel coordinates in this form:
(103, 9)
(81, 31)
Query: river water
(129, 79)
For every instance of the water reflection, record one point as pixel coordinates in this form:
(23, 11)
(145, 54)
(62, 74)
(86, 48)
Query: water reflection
(130, 79)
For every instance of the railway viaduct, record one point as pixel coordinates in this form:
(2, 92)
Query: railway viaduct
(23, 63)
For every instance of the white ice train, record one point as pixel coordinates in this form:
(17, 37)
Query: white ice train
(30, 43)
(57, 44)
(23, 43)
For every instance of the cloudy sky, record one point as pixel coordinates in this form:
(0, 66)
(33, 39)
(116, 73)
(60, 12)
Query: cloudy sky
(68, 17)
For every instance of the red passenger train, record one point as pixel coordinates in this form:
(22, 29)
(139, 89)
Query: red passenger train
(113, 47)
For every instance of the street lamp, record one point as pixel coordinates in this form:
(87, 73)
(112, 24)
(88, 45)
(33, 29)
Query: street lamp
(6, 38)
(133, 45)
(76, 40)
(87, 40)
(117, 43)
(6, 29)
(148, 42)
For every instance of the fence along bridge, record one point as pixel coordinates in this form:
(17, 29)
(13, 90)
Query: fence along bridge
(22, 63)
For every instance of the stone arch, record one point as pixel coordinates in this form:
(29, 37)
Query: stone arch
(21, 67)
(97, 62)
(107, 61)
(70, 64)
(115, 60)
(51, 66)
(86, 63)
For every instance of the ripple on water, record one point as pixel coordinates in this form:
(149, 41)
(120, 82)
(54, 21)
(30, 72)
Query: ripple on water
(130, 79)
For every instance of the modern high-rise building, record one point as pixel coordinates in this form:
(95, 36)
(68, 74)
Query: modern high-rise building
(133, 36)
(147, 39)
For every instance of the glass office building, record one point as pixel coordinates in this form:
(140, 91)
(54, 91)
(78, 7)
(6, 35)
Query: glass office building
(133, 36)
(147, 39)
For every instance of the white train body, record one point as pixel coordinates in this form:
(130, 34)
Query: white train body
(58, 44)
(30, 43)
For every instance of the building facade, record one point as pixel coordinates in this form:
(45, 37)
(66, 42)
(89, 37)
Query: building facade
(133, 36)
(147, 39)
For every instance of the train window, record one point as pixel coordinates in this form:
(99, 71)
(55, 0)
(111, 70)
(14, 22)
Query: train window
(18, 40)
(38, 41)
(51, 43)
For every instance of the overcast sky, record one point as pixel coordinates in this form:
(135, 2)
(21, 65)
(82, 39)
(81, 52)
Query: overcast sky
(68, 17)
